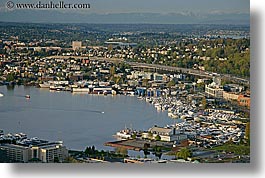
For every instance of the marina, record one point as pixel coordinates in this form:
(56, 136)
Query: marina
(212, 127)
(181, 118)
(79, 119)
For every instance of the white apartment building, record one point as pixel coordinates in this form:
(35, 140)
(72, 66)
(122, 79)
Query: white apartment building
(46, 152)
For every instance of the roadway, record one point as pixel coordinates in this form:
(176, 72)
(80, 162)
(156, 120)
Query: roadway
(200, 73)
(189, 71)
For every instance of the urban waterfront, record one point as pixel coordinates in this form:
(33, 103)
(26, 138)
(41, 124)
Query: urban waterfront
(79, 120)
(124, 96)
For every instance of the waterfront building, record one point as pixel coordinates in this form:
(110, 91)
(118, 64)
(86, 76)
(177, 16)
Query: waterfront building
(15, 153)
(214, 90)
(166, 134)
(34, 150)
(141, 91)
(50, 152)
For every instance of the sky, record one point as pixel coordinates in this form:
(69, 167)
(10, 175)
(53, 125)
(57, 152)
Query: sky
(169, 6)
(200, 8)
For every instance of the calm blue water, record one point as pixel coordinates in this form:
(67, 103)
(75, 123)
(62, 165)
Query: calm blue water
(77, 119)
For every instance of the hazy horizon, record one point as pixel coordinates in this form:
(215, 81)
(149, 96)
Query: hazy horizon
(137, 11)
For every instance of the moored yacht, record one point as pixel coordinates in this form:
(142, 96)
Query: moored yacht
(44, 85)
(57, 87)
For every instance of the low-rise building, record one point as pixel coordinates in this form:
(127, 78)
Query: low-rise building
(230, 95)
(214, 90)
(165, 134)
(233, 88)
(244, 100)
(76, 45)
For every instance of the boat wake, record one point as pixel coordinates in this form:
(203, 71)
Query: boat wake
(21, 96)
(69, 110)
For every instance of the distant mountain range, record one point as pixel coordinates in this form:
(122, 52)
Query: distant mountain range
(50, 16)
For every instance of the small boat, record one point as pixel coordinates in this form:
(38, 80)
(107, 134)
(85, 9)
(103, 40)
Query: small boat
(44, 85)
(57, 87)
(27, 96)
(1, 94)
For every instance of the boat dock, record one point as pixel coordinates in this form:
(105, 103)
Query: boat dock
(138, 144)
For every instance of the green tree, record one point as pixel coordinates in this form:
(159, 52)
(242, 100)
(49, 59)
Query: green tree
(157, 138)
(150, 135)
(171, 83)
(10, 77)
(146, 153)
(93, 149)
(117, 80)
(122, 151)
(56, 160)
(158, 151)
(247, 131)
(71, 160)
(184, 153)
(200, 86)
(112, 70)
(204, 103)
(134, 136)
(110, 47)
(145, 82)
(174, 55)
(88, 151)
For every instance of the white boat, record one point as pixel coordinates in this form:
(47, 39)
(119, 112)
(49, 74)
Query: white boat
(80, 90)
(57, 87)
(124, 134)
(131, 93)
(73, 86)
(44, 85)
(172, 115)
(1, 94)
(113, 92)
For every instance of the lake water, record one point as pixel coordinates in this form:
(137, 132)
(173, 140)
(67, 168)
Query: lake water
(79, 120)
